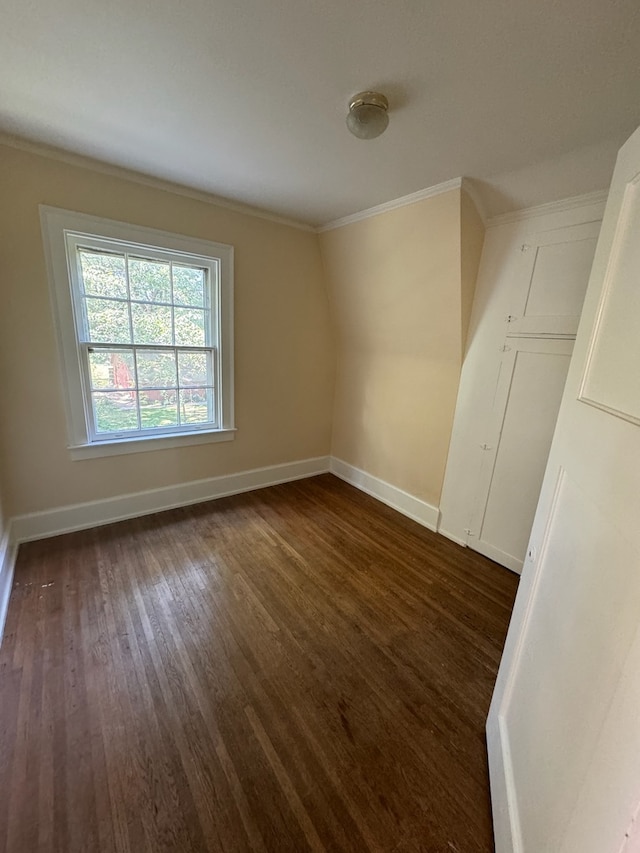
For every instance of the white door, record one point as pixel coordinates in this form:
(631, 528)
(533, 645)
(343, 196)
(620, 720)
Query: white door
(528, 395)
(548, 296)
(554, 271)
(564, 726)
(531, 286)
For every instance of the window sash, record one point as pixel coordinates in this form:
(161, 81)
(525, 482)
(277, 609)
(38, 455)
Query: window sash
(85, 349)
(76, 243)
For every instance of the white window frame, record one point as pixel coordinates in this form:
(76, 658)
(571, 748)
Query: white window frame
(63, 232)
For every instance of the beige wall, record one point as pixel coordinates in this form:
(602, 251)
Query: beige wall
(396, 296)
(284, 369)
(400, 286)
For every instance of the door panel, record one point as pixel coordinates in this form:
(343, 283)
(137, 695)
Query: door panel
(617, 335)
(556, 266)
(564, 726)
(532, 377)
(582, 649)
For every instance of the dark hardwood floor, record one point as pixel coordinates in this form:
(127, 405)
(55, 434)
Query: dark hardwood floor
(294, 669)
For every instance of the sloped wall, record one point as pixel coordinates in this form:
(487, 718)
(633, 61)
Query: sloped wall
(399, 308)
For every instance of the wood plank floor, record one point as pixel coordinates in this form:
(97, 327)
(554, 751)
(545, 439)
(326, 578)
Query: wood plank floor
(294, 669)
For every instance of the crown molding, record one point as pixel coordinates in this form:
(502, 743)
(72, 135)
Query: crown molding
(599, 197)
(405, 200)
(83, 162)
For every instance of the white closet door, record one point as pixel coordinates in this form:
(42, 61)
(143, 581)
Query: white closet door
(529, 296)
(528, 395)
(564, 726)
(554, 275)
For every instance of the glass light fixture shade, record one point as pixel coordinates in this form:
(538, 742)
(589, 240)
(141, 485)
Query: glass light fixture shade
(368, 117)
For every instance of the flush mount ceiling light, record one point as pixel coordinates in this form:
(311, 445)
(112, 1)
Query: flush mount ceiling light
(368, 115)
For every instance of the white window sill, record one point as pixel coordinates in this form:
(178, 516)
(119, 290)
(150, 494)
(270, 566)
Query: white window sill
(146, 443)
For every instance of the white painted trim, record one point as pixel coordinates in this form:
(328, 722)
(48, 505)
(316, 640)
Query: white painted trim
(598, 197)
(82, 162)
(506, 819)
(8, 552)
(448, 535)
(65, 519)
(392, 496)
(53, 522)
(429, 192)
(62, 231)
(146, 443)
(504, 800)
(497, 555)
(39, 525)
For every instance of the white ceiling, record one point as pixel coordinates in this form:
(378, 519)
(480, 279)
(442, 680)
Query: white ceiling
(247, 98)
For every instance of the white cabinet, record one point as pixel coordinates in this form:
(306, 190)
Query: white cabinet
(549, 292)
(531, 285)
(528, 395)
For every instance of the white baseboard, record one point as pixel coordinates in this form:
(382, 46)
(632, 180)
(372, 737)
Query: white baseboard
(8, 551)
(453, 537)
(498, 556)
(39, 525)
(506, 821)
(402, 501)
(65, 519)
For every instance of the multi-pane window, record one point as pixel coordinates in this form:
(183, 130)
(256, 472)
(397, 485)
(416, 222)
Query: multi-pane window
(148, 328)
(146, 340)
